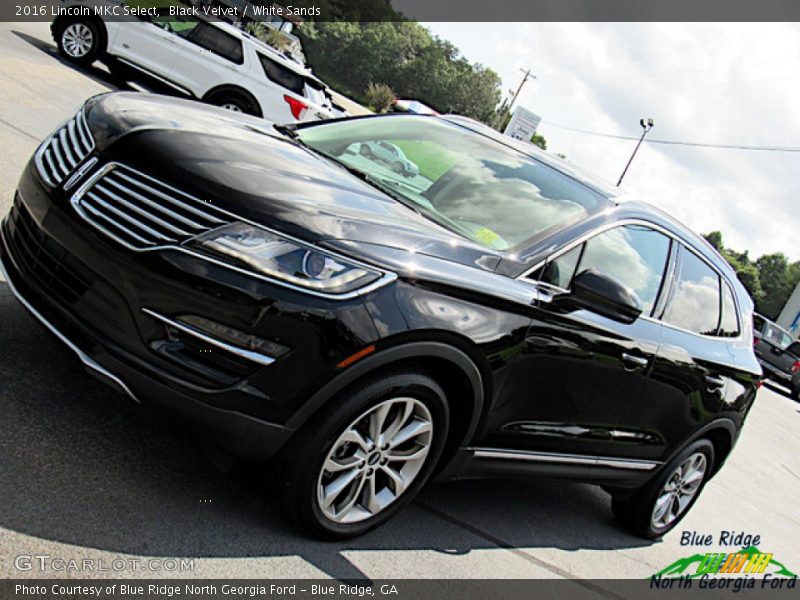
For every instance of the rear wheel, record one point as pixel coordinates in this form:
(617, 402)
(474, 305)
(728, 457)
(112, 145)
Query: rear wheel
(661, 504)
(79, 42)
(795, 391)
(362, 459)
(234, 102)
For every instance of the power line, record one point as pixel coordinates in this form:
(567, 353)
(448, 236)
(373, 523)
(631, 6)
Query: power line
(679, 143)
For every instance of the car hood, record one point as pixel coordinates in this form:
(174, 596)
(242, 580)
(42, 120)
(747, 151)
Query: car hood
(244, 166)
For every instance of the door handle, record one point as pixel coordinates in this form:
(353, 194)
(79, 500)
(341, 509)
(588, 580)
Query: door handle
(634, 363)
(714, 383)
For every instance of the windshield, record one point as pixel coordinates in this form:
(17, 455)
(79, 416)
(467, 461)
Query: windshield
(470, 184)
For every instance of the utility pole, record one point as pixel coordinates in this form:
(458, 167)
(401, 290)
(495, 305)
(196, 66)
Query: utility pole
(528, 75)
(647, 125)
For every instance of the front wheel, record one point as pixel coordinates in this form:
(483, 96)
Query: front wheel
(79, 42)
(358, 462)
(661, 504)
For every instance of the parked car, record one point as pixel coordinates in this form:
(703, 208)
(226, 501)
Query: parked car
(391, 156)
(778, 352)
(512, 319)
(206, 60)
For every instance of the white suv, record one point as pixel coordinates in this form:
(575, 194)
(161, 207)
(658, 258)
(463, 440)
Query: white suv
(211, 61)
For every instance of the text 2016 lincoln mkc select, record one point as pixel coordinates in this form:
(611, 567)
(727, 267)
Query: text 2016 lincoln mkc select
(496, 314)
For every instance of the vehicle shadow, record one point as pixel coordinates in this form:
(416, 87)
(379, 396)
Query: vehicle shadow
(778, 389)
(95, 72)
(80, 464)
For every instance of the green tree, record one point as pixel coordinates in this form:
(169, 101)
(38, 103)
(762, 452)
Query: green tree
(538, 140)
(405, 56)
(773, 272)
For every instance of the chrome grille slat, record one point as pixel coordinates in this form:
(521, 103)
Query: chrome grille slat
(60, 156)
(62, 138)
(84, 133)
(141, 212)
(64, 171)
(127, 190)
(128, 218)
(175, 201)
(116, 225)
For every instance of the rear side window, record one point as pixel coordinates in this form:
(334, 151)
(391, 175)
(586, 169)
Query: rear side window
(776, 336)
(729, 325)
(217, 41)
(695, 301)
(284, 77)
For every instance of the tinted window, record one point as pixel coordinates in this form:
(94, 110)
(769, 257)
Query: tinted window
(776, 336)
(729, 326)
(634, 255)
(217, 41)
(758, 323)
(694, 304)
(561, 271)
(284, 77)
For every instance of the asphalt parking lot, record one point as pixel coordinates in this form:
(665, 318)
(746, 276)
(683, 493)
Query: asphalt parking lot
(86, 474)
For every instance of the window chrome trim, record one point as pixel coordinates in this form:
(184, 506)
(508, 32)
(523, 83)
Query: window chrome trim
(567, 459)
(87, 360)
(250, 355)
(385, 277)
(524, 277)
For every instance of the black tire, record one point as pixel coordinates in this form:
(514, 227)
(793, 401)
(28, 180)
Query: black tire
(303, 459)
(795, 392)
(66, 39)
(635, 512)
(235, 102)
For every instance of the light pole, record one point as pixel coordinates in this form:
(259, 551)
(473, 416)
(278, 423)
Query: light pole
(647, 125)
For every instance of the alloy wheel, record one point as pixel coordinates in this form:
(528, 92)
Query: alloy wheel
(374, 460)
(77, 40)
(678, 491)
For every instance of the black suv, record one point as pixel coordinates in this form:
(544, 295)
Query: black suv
(499, 315)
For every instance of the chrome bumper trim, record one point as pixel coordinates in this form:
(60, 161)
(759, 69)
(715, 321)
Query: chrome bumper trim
(572, 459)
(255, 357)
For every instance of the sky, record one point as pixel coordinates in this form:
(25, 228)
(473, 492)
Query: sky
(726, 83)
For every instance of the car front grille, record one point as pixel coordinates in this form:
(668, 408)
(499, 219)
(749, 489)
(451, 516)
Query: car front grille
(59, 156)
(143, 213)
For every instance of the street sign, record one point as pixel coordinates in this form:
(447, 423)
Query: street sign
(523, 124)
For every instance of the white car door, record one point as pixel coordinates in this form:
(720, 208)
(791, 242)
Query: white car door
(209, 57)
(151, 45)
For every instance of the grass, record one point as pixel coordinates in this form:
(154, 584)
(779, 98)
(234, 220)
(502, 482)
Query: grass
(432, 159)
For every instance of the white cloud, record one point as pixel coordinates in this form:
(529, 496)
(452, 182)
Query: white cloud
(706, 82)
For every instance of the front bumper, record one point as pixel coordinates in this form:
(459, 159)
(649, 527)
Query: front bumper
(92, 294)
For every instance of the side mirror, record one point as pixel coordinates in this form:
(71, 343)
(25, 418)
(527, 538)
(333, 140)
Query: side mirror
(601, 294)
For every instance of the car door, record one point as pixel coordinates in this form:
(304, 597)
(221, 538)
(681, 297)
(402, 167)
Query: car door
(695, 374)
(151, 45)
(580, 370)
(209, 57)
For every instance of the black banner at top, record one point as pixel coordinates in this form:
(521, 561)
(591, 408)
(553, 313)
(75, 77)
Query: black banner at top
(417, 10)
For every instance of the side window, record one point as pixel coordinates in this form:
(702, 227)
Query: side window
(729, 326)
(560, 271)
(634, 255)
(217, 41)
(694, 303)
(284, 77)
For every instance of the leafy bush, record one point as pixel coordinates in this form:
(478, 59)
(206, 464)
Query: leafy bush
(379, 96)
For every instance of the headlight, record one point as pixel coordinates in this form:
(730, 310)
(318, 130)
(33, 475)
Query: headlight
(292, 262)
